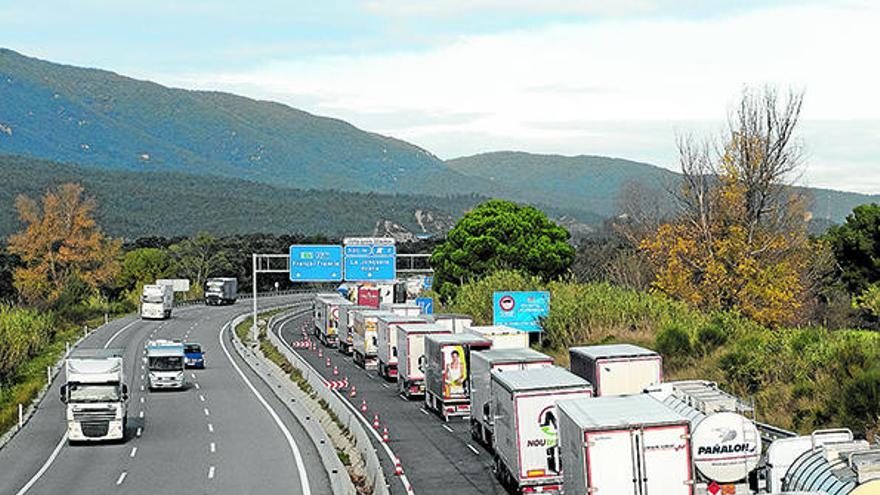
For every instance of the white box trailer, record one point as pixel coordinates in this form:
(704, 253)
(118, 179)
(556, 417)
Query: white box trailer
(95, 395)
(157, 301)
(447, 387)
(327, 317)
(624, 445)
(365, 338)
(411, 361)
(386, 342)
(221, 290)
(617, 369)
(456, 323)
(482, 365)
(346, 327)
(727, 444)
(526, 431)
(502, 337)
(401, 309)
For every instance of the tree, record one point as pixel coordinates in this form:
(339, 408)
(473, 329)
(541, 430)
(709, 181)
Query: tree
(61, 245)
(739, 240)
(856, 246)
(498, 235)
(199, 258)
(142, 266)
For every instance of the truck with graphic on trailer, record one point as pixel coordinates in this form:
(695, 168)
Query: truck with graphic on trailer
(411, 361)
(326, 317)
(447, 383)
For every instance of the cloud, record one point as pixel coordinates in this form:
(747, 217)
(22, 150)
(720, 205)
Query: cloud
(540, 89)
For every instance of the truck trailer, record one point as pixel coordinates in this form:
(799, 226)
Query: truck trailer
(95, 394)
(157, 301)
(617, 369)
(526, 430)
(221, 291)
(624, 445)
(386, 342)
(326, 314)
(402, 309)
(845, 468)
(454, 322)
(346, 327)
(165, 364)
(447, 387)
(365, 338)
(482, 365)
(502, 337)
(411, 357)
(782, 453)
(727, 444)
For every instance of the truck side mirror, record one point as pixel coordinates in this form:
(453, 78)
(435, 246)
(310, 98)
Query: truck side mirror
(64, 393)
(124, 392)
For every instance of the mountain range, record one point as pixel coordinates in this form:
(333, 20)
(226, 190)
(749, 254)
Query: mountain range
(98, 122)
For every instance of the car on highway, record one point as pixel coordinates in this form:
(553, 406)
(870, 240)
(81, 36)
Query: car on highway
(194, 356)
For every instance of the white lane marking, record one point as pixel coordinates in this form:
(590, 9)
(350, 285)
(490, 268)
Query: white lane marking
(141, 414)
(213, 447)
(475, 451)
(386, 385)
(447, 428)
(192, 374)
(142, 400)
(211, 473)
(197, 386)
(300, 465)
(139, 431)
(207, 413)
(425, 411)
(210, 427)
(121, 478)
(201, 397)
(142, 388)
(134, 451)
(45, 466)
(126, 327)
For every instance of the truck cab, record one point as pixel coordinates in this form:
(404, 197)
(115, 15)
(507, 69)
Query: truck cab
(157, 301)
(96, 395)
(165, 363)
(220, 291)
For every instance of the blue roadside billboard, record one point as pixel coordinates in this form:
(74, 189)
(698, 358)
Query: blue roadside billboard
(520, 310)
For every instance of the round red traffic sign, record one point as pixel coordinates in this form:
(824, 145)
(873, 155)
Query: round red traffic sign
(507, 303)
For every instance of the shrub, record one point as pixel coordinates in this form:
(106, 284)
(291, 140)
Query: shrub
(861, 400)
(674, 342)
(711, 336)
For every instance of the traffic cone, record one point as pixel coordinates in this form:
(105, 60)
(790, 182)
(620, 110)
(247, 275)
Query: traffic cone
(376, 421)
(328, 361)
(320, 352)
(398, 469)
(363, 405)
(353, 392)
(335, 370)
(385, 434)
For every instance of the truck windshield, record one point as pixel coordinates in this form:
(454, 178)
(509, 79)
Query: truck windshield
(80, 392)
(166, 363)
(151, 299)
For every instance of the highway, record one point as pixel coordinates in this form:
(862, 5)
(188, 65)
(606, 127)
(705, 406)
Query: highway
(217, 436)
(438, 458)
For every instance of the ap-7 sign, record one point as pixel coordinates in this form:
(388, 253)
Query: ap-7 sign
(521, 310)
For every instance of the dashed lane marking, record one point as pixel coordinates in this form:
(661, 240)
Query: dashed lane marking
(213, 447)
(475, 451)
(134, 451)
(211, 473)
(210, 427)
(121, 478)
(447, 428)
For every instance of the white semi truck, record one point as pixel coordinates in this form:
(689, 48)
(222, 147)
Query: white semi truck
(365, 338)
(411, 357)
(95, 394)
(526, 429)
(346, 327)
(624, 445)
(483, 364)
(326, 315)
(617, 369)
(165, 364)
(447, 368)
(454, 322)
(157, 301)
(223, 290)
(386, 342)
(502, 337)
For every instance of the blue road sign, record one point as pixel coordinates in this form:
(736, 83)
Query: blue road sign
(521, 310)
(427, 305)
(370, 262)
(310, 263)
(429, 282)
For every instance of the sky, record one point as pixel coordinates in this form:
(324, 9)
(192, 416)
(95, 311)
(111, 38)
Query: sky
(620, 78)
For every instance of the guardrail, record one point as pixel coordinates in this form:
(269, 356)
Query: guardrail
(247, 296)
(772, 433)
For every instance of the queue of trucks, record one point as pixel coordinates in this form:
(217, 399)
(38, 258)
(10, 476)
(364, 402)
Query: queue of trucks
(610, 424)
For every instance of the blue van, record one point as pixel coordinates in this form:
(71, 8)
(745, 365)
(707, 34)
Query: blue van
(195, 358)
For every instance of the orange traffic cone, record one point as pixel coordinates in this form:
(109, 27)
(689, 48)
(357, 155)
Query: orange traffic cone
(385, 435)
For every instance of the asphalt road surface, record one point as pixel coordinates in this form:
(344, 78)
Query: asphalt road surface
(216, 436)
(438, 458)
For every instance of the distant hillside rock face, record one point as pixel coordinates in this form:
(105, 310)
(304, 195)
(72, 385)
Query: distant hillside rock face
(425, 224)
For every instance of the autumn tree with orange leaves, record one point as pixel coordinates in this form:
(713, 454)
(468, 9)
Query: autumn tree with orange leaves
(61, 244)
(739, 240)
